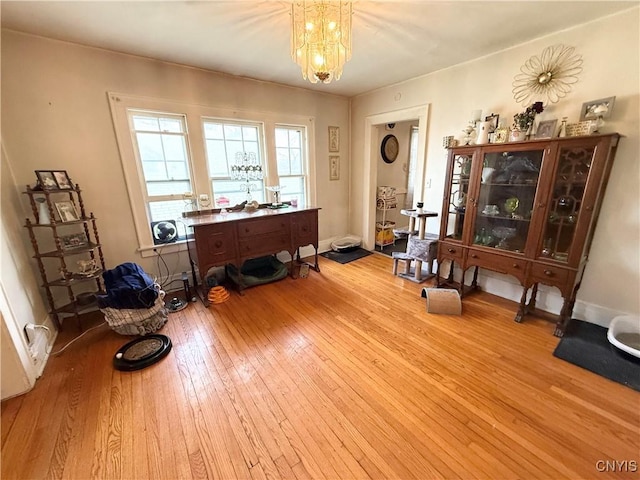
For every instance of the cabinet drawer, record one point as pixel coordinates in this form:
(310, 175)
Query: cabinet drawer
(215, 244)
(264, 245)
(550, 274)
(498, 263)
(450, 250)
(304, 229)
(263, 226)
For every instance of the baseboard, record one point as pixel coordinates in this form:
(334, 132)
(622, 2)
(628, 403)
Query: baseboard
(548, 299)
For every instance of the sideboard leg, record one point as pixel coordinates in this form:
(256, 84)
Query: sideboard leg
(531, 306)
(522, 309)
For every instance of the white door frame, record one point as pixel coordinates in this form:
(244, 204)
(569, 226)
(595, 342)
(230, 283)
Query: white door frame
(421, 113)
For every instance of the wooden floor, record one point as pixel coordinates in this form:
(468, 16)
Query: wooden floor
(341, 375)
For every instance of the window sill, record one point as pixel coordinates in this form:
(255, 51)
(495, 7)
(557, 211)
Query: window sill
(154, 250)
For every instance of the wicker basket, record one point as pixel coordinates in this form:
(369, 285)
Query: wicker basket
(138, 321)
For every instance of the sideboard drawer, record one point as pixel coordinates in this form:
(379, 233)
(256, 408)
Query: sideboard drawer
(264, 245)
(264, 226)
(216, 244)
(497, 262)
(304, 228)
(550, 274)
(450, 250)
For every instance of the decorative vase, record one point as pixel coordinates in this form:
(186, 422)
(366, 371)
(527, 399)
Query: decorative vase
(518, 136)
(483, 132)
(43, 211)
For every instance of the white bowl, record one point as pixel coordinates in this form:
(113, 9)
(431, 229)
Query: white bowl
(624, 333)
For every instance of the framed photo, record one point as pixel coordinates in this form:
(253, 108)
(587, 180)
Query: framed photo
(546, 129)
(75, 240)
(67, 211)
(334, 139)
(501, 135)
(46, 179)
(334, 167)
(62, 179)
(493, 118)
(597, 108)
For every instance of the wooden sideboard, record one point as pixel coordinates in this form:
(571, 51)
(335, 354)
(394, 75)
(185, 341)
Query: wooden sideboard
(231, 238)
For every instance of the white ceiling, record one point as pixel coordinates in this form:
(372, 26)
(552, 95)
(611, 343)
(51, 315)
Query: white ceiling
(392, 40)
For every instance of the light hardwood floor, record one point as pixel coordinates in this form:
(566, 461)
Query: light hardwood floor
(340, 375)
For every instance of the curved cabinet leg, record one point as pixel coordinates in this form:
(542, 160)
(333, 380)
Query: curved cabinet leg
(522, 309)
(531, 306)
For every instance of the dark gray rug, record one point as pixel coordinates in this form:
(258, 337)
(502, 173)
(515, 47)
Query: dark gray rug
(585, 345)
(346, 257)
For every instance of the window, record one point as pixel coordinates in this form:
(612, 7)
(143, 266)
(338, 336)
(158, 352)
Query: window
(228, 144)
(291, 163)
(161, 148)
(170, 149)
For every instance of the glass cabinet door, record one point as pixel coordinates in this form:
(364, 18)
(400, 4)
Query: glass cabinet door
(458, 195)
(567, 194)
(505, 199)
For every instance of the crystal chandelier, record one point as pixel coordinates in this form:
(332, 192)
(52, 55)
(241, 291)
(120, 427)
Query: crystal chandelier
(321, 37)
(246, 168)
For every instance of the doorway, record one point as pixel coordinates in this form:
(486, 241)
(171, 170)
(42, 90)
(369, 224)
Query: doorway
(373, 125)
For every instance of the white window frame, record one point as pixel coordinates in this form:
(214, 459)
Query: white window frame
(194, 114)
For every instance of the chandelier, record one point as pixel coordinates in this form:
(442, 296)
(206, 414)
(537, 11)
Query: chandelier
(321, 37)
(247, 168)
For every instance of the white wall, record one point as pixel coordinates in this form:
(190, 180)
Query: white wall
(56, 115)
(610, 51)
(21, 300)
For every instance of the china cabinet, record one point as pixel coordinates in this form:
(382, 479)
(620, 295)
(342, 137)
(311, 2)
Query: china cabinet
(63, 238)
(526, 209)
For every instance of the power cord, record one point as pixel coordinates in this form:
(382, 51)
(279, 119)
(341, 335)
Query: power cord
(77, 338)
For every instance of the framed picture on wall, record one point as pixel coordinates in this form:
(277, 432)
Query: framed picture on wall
(334, 167)
(334, 139)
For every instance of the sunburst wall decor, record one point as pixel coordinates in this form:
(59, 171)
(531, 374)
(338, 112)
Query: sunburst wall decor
(549, 75)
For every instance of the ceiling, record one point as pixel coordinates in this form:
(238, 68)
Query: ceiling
(392, 40)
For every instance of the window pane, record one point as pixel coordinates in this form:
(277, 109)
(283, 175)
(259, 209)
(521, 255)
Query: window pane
(250, 133)
(171, 125)
(235, 191)
(213, 130)
(294, 138)
(154, 171)
(232, 132)
(282, 137)
(141, 122)
(295, 162)
(174, 147)
(177, 171)
(149, 146)
(167, 188)
(292, 187)
(216, 158)
(283, 161)
(163, 156)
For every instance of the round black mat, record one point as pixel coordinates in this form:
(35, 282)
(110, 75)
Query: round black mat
(142, 352)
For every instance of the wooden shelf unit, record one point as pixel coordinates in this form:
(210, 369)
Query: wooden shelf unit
(92, 251)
